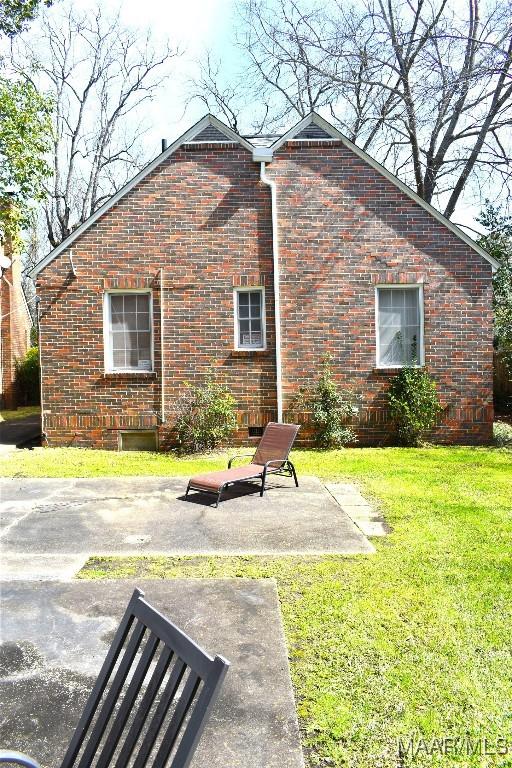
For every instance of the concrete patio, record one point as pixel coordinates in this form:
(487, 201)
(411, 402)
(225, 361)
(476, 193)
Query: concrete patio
(55, 631)
(55, 636)
(73, 518)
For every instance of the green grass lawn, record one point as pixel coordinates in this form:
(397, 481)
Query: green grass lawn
(20, 413)
(414, 641)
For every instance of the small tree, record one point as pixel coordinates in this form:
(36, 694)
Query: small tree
(205, 416)
(498, 242)
(27, 377)
(331, 409)
(414, 404)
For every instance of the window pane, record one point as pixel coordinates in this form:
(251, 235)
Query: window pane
(116, 302)
(243, 310)
(130, 302)
(399, 326)
(130, 321)
(143, 321)
(142, 303)
(255, 303)
(144, 344)
(131, 340)
(243, 298)
(118, 340)
(384, 297)
(390, 317)
(119, 358)
(244, 339)
(256, 326)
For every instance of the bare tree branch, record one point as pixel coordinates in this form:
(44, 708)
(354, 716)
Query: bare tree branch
(99, 74)
(421, 84)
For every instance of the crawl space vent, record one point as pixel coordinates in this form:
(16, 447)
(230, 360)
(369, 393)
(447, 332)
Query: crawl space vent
(139, 440)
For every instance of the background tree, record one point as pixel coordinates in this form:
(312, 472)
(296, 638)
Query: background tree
(498, 242)
(424, 85)
(99, 74)
(25, 127)
(24, 130)
(16, 14)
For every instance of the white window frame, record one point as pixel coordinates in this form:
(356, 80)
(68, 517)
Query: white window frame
(107, 341)
(421, 347)
(250, 289)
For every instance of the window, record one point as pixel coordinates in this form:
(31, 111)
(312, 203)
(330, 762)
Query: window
(399, 326)
(249, 318)
(128, 342)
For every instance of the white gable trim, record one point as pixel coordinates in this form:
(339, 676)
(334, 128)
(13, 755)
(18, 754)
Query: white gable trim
(186, 138)
(313, 117)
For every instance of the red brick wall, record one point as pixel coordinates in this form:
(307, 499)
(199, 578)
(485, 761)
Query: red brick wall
(15, 327)
(203, 217)
(343, 229)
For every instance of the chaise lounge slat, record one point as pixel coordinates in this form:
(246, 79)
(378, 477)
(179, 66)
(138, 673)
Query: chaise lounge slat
(271, 457)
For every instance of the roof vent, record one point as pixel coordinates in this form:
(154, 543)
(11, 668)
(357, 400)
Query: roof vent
(211, 134)
(312, 131)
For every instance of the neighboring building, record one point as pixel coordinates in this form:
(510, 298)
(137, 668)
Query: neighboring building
(178, 270)
(15, 324)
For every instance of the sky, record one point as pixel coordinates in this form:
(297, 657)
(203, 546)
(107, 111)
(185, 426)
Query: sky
(195, 27)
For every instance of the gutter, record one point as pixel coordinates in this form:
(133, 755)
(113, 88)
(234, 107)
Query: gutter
(277, 297)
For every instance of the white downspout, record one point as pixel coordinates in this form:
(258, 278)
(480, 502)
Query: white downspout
(277, 294)
(162, 337)
(39, 346)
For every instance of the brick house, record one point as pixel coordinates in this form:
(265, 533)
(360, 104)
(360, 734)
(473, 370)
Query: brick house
(15, 324)
(259, 256)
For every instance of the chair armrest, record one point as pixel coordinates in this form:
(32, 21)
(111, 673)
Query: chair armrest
(8, 756)
(239, 456)
(275, 461)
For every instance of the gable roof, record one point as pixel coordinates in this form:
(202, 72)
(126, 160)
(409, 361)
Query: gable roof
(208, 129)
(297, 133)
(211, 130)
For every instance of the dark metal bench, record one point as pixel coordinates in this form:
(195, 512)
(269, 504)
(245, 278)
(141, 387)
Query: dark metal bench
(271, 457)
(150, 702)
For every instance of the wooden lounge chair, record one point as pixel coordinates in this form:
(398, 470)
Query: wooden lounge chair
(157, 725)
(271, 457)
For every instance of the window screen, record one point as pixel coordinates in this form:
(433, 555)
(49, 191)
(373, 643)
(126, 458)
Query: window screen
(399, 326)
(250, 319)
(130, 331)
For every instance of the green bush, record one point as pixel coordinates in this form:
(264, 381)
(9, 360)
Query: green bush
(331, 409)
(414, 404)
(27, 378)
(205, 416)
(502, 433)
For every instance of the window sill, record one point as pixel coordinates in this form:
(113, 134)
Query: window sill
(393, 368)
(250, 349)
(137, 374)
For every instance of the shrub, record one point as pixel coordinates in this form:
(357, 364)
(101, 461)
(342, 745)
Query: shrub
(205, 417)
(502, 433)
(27, 377)
(414, 404)
(331, 408)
